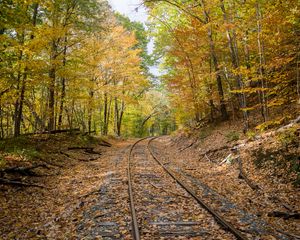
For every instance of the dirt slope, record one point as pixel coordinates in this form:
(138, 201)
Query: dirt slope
(268, 185)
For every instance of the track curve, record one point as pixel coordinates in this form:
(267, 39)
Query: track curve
(134, 220)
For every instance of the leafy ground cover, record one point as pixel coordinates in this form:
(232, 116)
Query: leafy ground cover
(76, 186)
(57, 188)
(270, 162)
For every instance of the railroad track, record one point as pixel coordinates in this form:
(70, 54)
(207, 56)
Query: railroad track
(186, 192)
(135, 227)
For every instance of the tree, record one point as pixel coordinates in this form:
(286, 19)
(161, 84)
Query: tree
(232, 42)
(62, 62)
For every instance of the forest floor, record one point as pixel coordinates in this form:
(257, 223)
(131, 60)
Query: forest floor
(260, 175)
(75, 187)
(64, 182)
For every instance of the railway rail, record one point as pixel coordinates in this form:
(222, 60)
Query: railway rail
(135, 226)
(134, 223)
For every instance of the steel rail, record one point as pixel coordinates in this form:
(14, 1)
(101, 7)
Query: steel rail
(135, 228)
(226, 225)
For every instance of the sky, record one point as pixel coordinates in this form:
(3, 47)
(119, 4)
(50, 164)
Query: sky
(128, 8)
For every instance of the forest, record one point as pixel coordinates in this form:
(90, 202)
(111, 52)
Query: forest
(70, 64)
(229, 59)
(184, 125)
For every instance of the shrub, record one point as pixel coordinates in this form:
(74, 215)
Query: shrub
(251, 134)
(288, 137)
(232, 136)
(2, 162)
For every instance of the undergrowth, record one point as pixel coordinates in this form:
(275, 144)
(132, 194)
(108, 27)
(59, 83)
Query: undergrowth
(205, 132)
(31, 148)
(20, 147)
(281, 162)
(232, 136)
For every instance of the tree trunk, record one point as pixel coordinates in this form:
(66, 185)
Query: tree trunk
(1, 121)
(120, 118)
(263, 98)
(20, 101)
(7, 123)
(19, 108)
(51, 124)
(90, 111)
(105, 113)
(70, 115)
(20, 87)
(235, 63)
(62, 101)
(298, 78)
(108, 114)
(116, 116)
(213, 54)
(63, 88)
(223, 109)
(52, 76)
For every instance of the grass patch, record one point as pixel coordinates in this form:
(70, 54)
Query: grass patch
(251, 134)
(32, 148)
(288, 138)
(21, 146)
(88, 139)
(232, 136)
(2, 162)
(205, 132)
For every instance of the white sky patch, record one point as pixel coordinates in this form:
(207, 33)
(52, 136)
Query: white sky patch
(129, 8)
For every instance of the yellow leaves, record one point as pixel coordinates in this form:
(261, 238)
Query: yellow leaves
(247, 109)
(276, 102)
(278, 62)
(287, 136)
(120, 39)
(250, 90)
(269, 124)
(109, 64)
(227, 27)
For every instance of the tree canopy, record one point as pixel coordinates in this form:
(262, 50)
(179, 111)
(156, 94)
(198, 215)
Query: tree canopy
(225, 59)
(75, 63)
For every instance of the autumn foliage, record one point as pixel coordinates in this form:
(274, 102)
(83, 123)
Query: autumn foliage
(66, 64)
(227, 59)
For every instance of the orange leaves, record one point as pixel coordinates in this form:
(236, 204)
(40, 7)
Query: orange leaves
(250, 46)
(110, 65)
